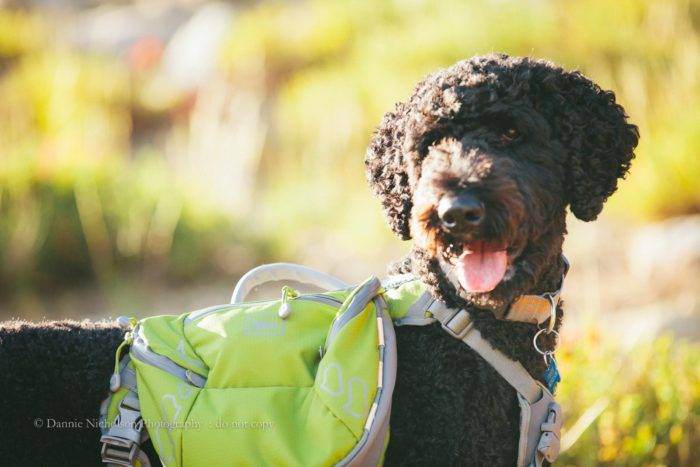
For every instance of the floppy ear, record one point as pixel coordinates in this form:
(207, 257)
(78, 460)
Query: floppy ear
(387, 174)
(597, 137)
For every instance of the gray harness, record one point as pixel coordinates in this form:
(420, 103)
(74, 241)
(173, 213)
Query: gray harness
(540, 415)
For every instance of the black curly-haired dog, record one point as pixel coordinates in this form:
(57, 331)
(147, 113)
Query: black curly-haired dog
(477, 168)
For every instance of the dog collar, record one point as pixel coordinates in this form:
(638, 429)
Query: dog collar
(534, 309)
(537, 309)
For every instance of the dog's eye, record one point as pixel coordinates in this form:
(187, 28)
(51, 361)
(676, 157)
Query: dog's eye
(509, 134)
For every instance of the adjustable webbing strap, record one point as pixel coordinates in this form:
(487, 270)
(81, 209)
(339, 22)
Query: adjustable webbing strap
(121, 444)
(459, 325)
(540, 415)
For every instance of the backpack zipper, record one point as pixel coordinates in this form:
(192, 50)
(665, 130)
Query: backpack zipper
(318, 298)
(142, 352)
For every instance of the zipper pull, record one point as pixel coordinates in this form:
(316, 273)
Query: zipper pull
(288, 294)
(115, 380)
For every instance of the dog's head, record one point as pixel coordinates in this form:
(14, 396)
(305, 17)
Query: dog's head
(479, 165)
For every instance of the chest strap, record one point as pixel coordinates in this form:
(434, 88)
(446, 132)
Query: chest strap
(459, 325)
(540, 414)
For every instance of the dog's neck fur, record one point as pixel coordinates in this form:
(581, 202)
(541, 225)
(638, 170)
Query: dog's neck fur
(506, 336)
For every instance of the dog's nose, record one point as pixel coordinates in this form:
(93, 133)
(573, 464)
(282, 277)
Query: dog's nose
(458, 213)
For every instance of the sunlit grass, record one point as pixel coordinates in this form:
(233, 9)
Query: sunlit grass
(639, 406)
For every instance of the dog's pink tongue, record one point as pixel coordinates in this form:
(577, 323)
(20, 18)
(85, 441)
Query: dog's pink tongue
(480, 269)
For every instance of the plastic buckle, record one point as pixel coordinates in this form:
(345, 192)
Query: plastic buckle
(458, 325)
(119, 451)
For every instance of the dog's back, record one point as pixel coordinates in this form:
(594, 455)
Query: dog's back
(53, 377)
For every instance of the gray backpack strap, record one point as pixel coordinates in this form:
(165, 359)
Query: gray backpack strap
(540, 415)
(121, 442)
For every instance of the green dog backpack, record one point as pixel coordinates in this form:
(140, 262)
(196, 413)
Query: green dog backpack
(305, 379)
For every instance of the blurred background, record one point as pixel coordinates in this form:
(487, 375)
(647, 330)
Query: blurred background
(153, 151)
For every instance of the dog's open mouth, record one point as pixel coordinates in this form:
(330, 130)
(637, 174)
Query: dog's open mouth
(481, 266)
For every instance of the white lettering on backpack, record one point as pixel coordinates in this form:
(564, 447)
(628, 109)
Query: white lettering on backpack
(170, 408)
(263, 326)
(333, 384)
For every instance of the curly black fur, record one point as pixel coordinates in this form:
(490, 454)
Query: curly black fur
(572, 143)
(53, 372)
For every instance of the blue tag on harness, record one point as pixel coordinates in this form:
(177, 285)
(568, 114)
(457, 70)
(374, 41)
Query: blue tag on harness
(551, 375)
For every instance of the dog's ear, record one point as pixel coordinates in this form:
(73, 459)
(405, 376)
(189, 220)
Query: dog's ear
(387, 174)
(596, 135)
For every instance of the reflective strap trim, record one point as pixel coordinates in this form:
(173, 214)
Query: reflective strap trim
(380, 331)
(459, 325)
(370, 417)
(369, 448)
(142, 352)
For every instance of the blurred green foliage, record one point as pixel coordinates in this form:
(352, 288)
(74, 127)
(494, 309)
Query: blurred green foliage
(73, 124)
(636, 407)
(332, 68)
(77, 200)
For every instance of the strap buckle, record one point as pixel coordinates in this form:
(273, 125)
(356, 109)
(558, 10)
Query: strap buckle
(120, 445)
(458, 325)
(119, 451)
(549, 444)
